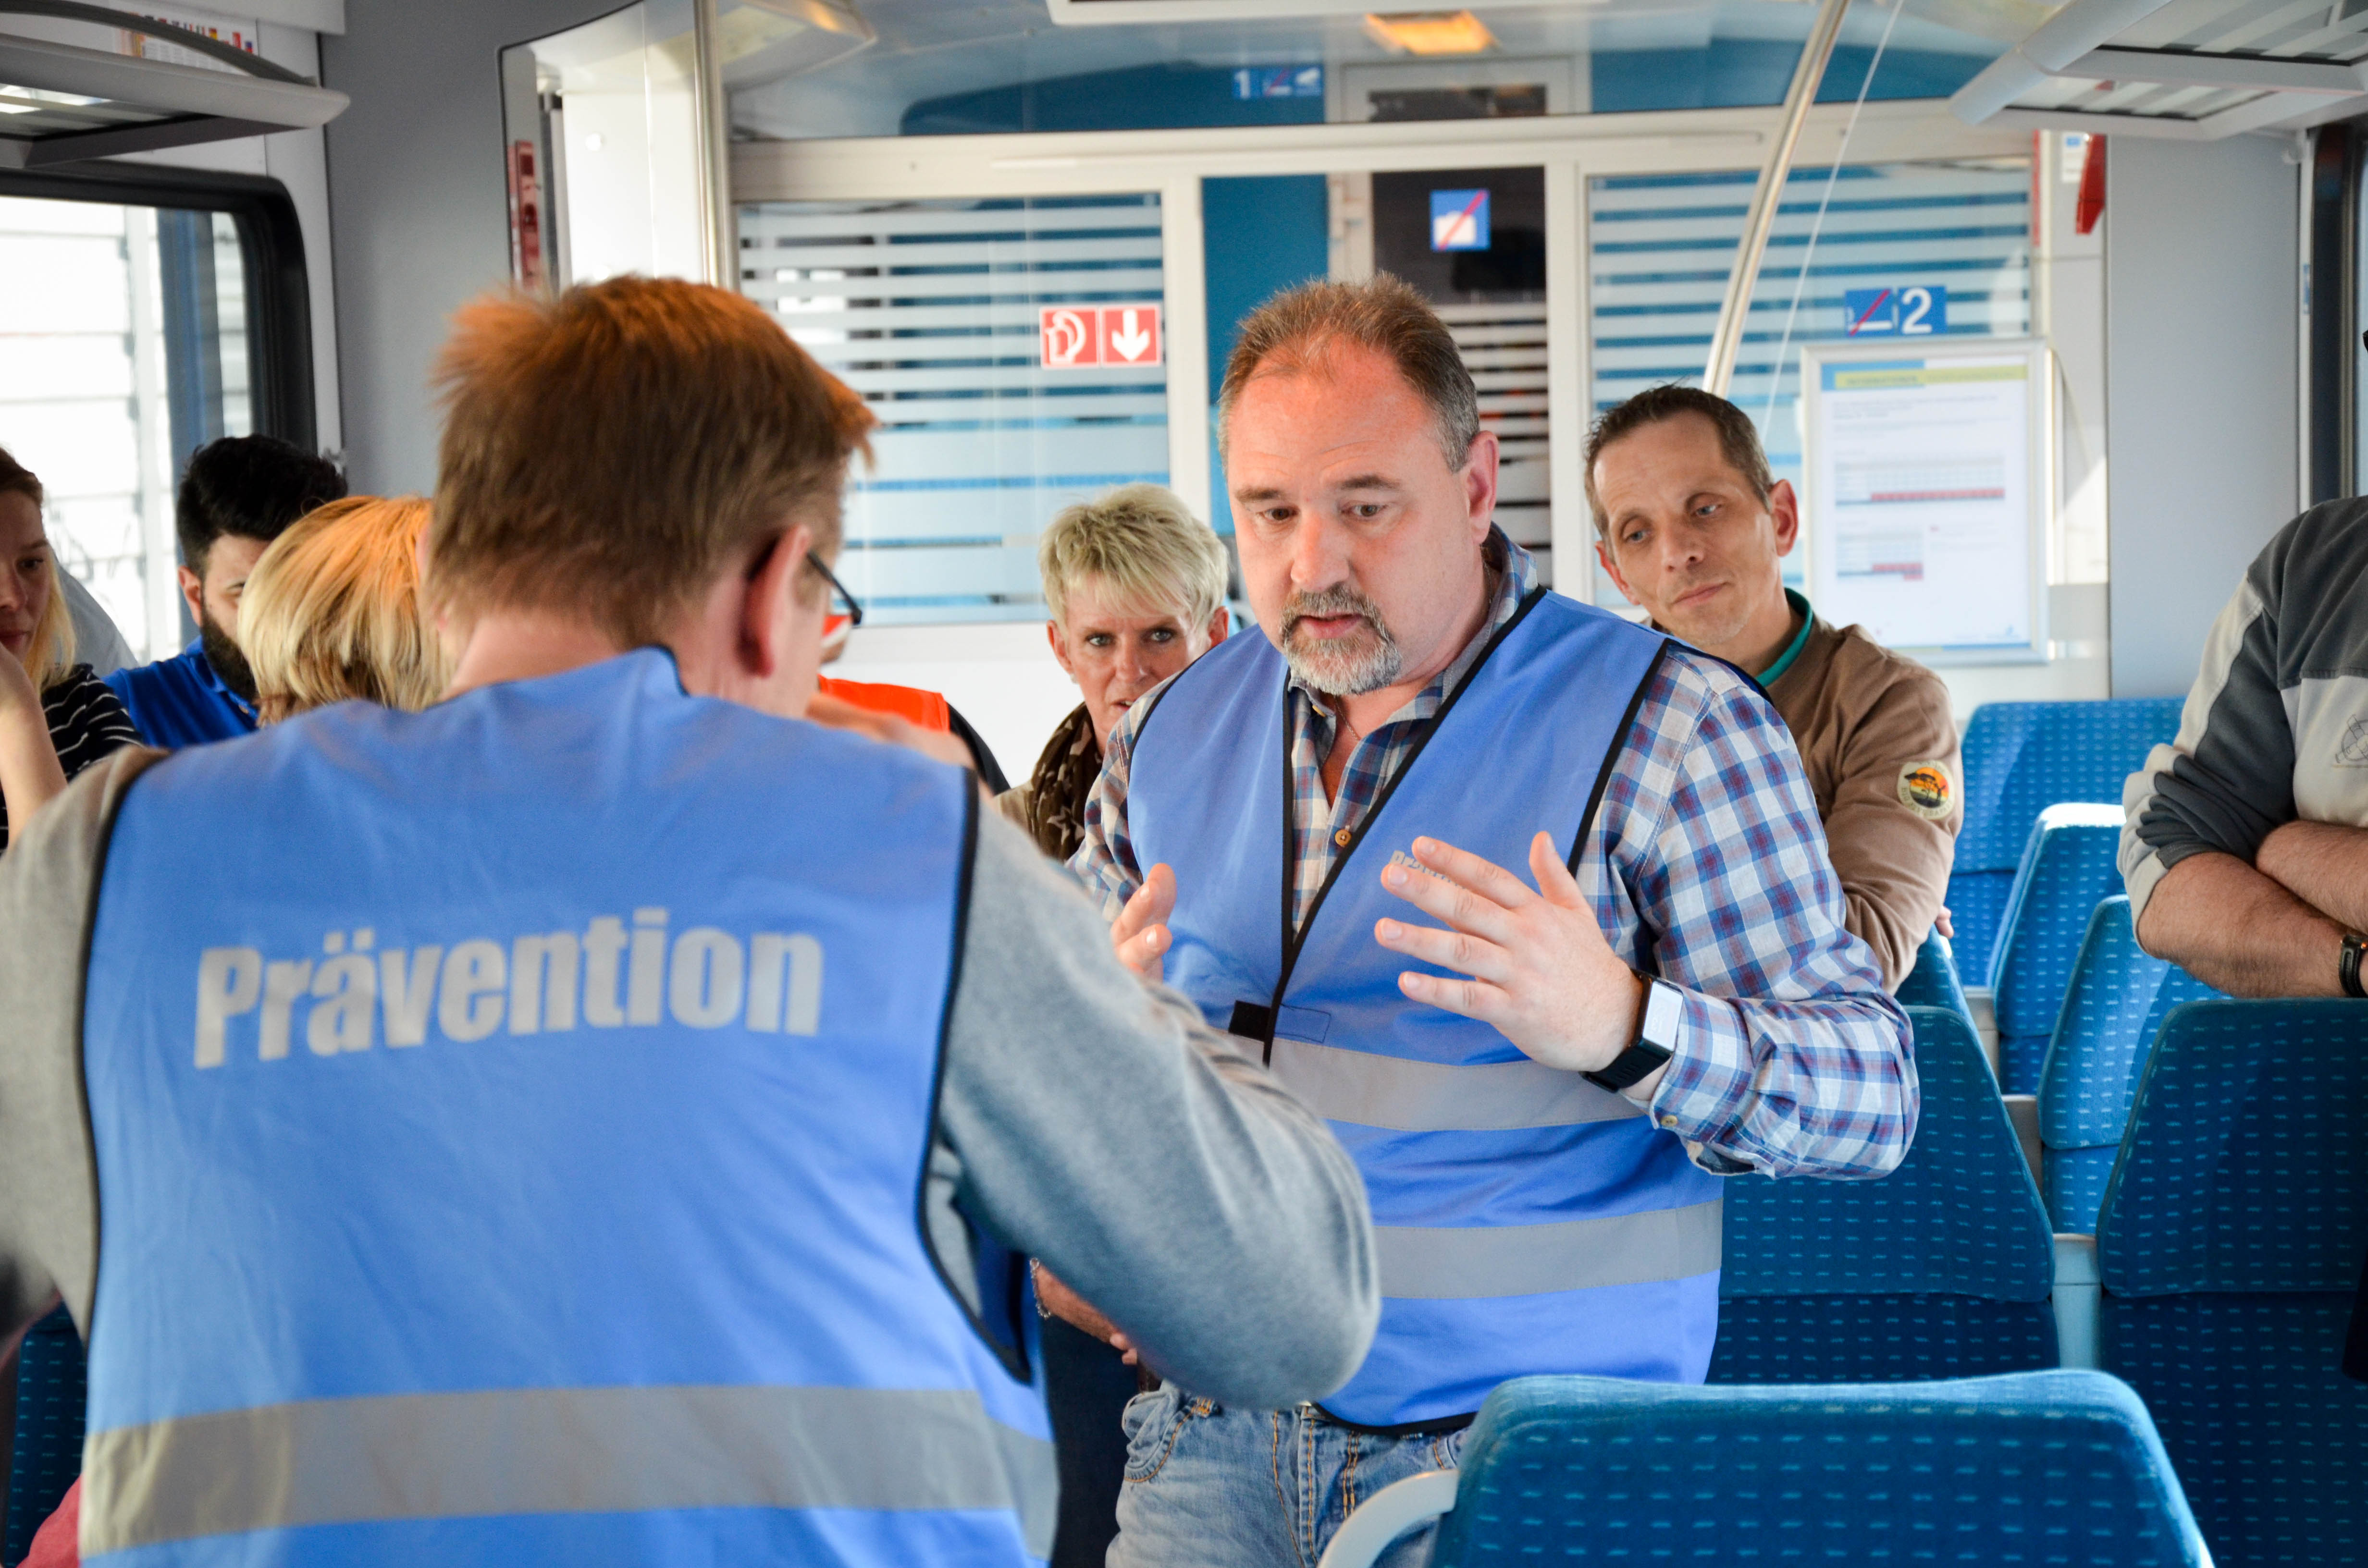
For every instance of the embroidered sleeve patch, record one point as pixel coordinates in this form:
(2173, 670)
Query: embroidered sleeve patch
(1924, 789)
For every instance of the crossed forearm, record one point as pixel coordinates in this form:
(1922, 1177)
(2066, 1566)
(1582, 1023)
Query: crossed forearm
(2237, 927)
(2325, 865)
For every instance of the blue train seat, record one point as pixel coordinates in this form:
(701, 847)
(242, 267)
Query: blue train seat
(2067, 869)
(1934, 981)
(1941, 1270)
(2030, 1467)
(48, 1449)
(2229, 1246)
(2021, 757)
(2112, 1009)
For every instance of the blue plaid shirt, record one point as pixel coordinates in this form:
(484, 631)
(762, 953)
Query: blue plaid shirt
(1706, 865)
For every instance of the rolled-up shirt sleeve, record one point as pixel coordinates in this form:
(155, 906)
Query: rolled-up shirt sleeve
(1790, 1059)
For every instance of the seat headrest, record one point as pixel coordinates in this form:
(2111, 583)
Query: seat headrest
(2241, 1169)
(1958, 1216)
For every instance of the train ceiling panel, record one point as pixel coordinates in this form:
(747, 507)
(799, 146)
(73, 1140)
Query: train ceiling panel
(2190, 69)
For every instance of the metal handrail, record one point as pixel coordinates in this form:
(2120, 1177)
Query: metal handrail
(1729, 340)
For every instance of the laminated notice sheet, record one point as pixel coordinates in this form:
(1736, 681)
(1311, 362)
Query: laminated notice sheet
(1925, 491)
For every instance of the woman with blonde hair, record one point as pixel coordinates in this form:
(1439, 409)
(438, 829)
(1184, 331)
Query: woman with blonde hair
(333, 612)
(1136, 587)
(56, 718)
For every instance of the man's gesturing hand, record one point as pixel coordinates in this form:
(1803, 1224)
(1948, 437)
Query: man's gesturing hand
(1140, 934)
(1542, 973)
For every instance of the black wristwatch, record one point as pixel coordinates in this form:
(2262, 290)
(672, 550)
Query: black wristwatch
(1655, 1042)
(2347, 968)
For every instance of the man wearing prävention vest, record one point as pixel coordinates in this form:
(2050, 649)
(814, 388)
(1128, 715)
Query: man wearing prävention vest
(1541, 1126)
(594, 1120)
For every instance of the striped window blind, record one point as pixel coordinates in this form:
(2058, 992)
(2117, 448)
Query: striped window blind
(1660, 248)
(930, 310)
(1505, 348)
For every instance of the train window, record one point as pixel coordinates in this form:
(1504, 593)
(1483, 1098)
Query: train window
(136, 330)
(1013, 350)
(1660, 247)
(126, 336)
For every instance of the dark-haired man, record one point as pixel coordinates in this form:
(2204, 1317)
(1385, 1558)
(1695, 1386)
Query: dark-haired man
(1529, 901)
(237, 497)
(1692, 526)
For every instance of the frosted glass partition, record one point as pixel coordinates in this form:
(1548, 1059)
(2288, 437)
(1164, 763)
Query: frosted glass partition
(1659, 248)
(934, 311)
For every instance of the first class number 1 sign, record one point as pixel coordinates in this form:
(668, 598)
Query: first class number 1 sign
(1086, 338)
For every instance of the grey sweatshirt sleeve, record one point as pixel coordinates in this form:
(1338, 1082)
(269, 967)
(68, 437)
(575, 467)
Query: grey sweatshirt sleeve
(49, 1179)
(2227, 778)
(1101, 1125)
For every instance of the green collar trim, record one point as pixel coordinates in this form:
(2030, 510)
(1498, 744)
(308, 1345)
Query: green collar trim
(1775, 672)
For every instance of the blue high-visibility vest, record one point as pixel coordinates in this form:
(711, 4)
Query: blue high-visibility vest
(1527, 1221)
(511, 1123)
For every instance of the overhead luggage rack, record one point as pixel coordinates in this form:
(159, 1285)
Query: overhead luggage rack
(61, 102)
(2192, 70)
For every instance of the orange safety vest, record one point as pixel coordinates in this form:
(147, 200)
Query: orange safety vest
(926, 709)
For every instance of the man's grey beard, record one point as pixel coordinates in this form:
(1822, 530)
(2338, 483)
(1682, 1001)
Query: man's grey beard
(1346, 667)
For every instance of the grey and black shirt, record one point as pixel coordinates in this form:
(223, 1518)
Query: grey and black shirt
(2276, 726)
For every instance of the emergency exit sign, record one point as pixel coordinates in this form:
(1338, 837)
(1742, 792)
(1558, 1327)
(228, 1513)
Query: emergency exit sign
(1089, 337)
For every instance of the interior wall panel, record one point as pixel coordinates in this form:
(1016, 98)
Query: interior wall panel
(2202, 317)
(421, 211)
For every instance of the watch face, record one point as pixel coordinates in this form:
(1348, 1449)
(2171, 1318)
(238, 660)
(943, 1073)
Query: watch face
(1665, 1010)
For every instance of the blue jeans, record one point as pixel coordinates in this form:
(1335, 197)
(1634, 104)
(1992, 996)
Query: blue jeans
(1209, 1487)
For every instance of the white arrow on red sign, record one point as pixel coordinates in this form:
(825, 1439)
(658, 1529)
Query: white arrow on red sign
(1130, 334)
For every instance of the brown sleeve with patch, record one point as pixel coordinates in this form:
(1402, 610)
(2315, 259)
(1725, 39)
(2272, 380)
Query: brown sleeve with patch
(1899, 801)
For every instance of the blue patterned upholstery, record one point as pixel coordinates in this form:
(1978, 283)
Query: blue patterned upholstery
(1940, 1270)
(2020, 759)
(2112, 1009)
(2068, 868)
(1976, 905)
(2029, 1469)
(1934, 983)
(2229, 1245)
(48, 1429)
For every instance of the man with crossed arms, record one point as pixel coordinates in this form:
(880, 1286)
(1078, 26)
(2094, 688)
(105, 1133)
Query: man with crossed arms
(1310, 832)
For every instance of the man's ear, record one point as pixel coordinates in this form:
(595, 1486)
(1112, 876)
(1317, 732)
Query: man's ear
(193, 592)
(770, 602)
(1603, 554)
(1220, 624)
(1480, 482)
(1785, 511)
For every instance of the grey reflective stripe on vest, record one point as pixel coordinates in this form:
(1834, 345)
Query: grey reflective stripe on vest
(1461, 1262)
(1428, 1097)
(560, 1451)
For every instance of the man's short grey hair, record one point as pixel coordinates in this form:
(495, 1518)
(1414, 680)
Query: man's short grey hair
(1293, 332)
(1147, 548)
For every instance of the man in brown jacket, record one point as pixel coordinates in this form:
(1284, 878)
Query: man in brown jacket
(1692, 526)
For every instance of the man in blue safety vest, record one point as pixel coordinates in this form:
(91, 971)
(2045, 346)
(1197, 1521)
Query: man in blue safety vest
(1318, 832)
(596, 1119)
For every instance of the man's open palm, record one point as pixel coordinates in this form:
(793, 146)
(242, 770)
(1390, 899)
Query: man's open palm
(1540, 972)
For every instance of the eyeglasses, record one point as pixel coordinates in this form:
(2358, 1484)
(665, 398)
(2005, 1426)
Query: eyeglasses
(854, 610)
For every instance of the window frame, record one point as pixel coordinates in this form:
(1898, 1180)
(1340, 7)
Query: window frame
(271, 240)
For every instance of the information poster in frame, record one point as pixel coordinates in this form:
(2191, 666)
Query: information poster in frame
(1925, 482)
